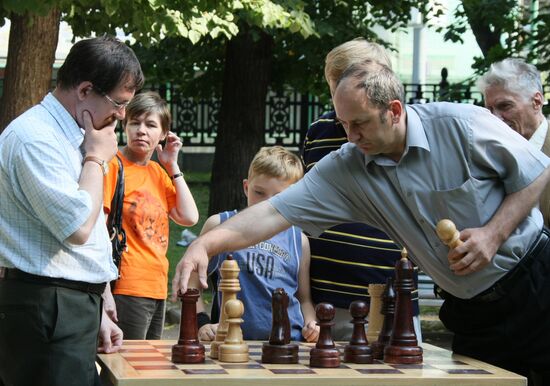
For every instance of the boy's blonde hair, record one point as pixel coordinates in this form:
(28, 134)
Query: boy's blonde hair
(276, 162)
(149, 102)
(352, 52)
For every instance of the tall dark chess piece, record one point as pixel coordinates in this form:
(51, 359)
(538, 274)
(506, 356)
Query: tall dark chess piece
(279, 349)
(325, 353)
(403, 346)
(188, 349)
(358, 350)
(388, 310)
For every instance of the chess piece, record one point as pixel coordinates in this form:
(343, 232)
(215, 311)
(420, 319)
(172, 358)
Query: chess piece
(325, 353)
(229, 286)
(388, 310)
(403, 347)
(233, 349)
(279, 349)
(449, 235)
(188, 349)
(358, 350)
(376, 319)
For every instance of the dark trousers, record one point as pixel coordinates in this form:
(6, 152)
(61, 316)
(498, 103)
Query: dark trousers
(140, 318)
(48, 334)
(513, 330)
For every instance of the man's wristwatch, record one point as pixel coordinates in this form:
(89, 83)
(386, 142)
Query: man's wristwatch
(104, 165)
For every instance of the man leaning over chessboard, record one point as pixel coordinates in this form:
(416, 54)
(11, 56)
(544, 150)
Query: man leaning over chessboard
(407, 167)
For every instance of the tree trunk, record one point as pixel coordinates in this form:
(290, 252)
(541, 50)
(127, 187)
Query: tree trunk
(241, 120)
(31, 53)
(487, 36)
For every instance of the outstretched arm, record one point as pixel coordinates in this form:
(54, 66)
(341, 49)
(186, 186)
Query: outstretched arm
(481, 244)
(254, 224)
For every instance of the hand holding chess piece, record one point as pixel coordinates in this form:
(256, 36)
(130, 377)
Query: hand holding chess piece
(449, 235)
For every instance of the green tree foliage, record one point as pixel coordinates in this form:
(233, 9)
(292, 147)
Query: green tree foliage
(38, 7)
(502, 28)
(298, 58)
(222, 66)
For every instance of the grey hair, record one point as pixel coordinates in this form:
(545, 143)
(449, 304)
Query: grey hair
(379, 82)
(514, 75)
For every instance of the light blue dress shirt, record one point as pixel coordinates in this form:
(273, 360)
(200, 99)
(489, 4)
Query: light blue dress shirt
(459, 163)
(41, 204)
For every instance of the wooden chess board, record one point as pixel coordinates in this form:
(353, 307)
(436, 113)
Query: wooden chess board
(148, 363)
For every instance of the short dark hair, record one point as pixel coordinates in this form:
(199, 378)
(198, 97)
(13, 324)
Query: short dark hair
(149, 102)
(105, 61)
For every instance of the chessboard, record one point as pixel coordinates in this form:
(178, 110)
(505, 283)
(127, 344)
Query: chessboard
(149, 363)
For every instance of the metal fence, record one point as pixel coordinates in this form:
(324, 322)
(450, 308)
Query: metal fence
(288, 113)
(288, 116)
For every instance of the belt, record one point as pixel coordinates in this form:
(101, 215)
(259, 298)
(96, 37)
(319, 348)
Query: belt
(508, 281)
(17, 274)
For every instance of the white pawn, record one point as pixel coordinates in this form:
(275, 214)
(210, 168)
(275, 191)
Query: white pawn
(234, 349)
(447, 232)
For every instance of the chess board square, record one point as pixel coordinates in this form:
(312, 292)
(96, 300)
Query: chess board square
(163, 346)
(411, 366)
(204, 371)
(379, 371)
(155, 367)
(135, 343)
(292, 371)
(149, 358)
(138, 350)
(242, 366)
(467, 371)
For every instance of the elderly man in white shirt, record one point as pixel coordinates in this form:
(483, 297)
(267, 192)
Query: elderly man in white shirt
(513, 92)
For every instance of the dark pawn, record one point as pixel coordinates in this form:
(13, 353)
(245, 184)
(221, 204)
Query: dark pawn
(403, 347)
(358, 350)
(388, 310)
(325, 353)
(279, 349)
(188, 349)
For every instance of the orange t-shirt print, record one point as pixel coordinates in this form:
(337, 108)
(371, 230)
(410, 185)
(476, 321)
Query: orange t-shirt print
(149, 195)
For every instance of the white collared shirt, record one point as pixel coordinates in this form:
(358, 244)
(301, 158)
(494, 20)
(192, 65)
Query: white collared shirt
(538, 137)
(41, 204)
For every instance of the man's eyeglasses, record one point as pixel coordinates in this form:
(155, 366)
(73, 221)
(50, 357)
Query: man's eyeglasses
(116, 105)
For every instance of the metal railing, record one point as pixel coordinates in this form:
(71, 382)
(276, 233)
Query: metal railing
(288, 114)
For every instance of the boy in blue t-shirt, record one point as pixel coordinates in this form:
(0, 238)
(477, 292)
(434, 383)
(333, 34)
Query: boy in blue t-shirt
(280, 262)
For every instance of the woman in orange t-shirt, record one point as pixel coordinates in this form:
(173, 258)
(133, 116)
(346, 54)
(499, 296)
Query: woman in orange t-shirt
(151, 195)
